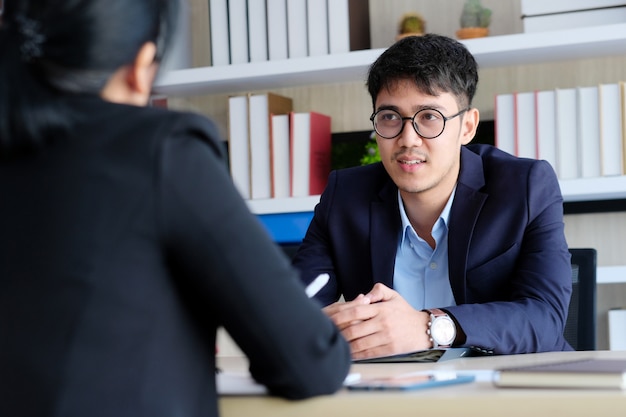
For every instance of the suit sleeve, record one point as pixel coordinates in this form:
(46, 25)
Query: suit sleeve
(228, 265)
(529, 312)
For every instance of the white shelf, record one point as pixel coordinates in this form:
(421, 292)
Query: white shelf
(593, 189)
(283, 205)
(584, 189)
(492, 51)
(611, 274)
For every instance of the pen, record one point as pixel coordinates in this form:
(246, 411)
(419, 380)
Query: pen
(316, 285)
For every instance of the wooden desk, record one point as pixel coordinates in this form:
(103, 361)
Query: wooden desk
(480, 399)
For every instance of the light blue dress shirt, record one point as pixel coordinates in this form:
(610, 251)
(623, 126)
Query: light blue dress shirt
(421, 273)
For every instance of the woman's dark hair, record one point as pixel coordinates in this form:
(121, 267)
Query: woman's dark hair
(52, 48)
(434, 63)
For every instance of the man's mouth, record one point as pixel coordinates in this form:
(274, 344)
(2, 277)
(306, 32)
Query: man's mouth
(411, 162)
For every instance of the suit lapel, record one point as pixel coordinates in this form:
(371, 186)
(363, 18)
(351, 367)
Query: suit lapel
(385, 225)
(466, 207)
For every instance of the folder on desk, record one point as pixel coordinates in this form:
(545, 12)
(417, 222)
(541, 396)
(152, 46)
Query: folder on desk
(582, 373)
(428, 355)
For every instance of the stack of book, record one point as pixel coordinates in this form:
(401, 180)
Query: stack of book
(243, 31)
(275, 152)
(541, 15)
(580, 131)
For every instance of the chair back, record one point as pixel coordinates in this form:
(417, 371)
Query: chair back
(580, 327)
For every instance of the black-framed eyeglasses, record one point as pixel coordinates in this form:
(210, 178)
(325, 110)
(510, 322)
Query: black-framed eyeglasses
(428, 123)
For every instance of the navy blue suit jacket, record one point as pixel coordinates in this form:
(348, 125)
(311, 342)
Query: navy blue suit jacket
(509, 264)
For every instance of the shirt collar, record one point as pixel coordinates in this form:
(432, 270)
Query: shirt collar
(443, 217)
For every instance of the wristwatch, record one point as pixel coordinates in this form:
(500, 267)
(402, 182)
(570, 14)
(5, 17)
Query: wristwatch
(441, 328)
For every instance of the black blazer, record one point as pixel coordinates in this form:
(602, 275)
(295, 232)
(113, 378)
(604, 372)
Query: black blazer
(123, 247)
(508, 260)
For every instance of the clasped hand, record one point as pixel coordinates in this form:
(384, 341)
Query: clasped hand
(380, 323)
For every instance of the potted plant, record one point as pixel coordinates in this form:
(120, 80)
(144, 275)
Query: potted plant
(475, 20)
(411, 24)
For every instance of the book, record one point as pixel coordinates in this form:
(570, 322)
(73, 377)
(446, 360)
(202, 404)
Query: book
(201, 39)
(257, 30)
(277, 29)
(261, 108)
(525, 139)
(297, 42)
(410, 381)
(158, 101)
(218, 25)
(610, 129)
(585, 373)
(622, 90)
(279, 157)
(359, 14)
(504, 113)
(541, 16)
(539, 7)
(239, 144)
(588, 118)
(317, 27)
(238, 31)
(566, 134)
(310, 140)
(617, 324)
(545, 119)
(338, 26)
(426, 355)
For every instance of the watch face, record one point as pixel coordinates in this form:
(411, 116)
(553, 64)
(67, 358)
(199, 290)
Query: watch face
(443, 330)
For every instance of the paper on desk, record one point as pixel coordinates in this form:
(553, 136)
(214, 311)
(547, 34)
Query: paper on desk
(238, 383)
(242, 383)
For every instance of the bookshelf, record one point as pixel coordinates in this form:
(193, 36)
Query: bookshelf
(490, 52)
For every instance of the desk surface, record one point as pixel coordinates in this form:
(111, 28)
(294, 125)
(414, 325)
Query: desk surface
(479, 398)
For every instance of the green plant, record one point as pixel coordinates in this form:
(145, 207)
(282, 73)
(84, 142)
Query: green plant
(371, 151)
(475, 15)
(411, 23)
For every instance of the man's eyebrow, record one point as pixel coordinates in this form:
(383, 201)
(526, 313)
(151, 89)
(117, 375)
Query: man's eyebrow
(414, 109)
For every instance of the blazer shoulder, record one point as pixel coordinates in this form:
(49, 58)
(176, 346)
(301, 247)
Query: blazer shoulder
(494, 159)
(362, 176)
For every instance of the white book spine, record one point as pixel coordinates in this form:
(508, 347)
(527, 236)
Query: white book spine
(238, 144)
(338, 26)
(300, 149)
(505, 122)
(588, 117)
(611, 129)
(277, 29)
(238, 29)
(259, 146)
(317, 27)
(566, 134)
(297, 28)
(525, 125)
(281, 175)
(546, 126)
(257, 30)
(220, 48)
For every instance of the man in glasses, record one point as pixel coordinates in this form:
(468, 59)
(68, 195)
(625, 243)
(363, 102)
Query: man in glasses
(444, 243)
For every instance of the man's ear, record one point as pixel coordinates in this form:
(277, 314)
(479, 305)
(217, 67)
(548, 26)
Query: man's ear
(469, 126)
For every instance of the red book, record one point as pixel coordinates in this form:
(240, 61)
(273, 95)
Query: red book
(310, 138)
